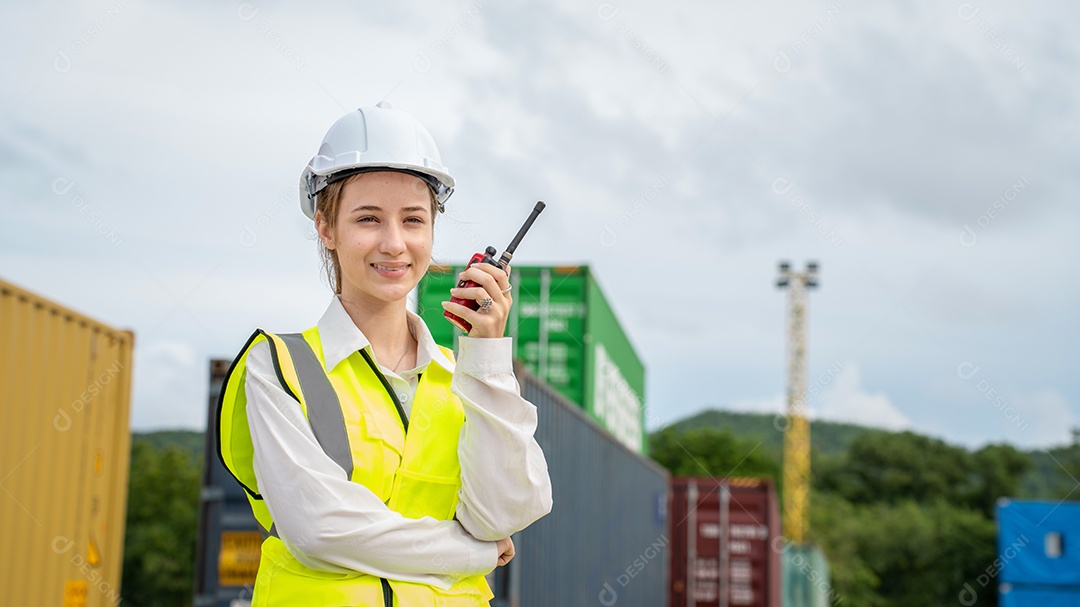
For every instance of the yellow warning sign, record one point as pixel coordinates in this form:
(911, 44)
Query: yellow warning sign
(75, 593)
(238, 560)
(93, 558)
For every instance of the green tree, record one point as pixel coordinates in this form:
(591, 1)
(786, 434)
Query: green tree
(162, 524)
(837, 526)
(904, 554)
(998, 469)
(897, 467)
(710, 452)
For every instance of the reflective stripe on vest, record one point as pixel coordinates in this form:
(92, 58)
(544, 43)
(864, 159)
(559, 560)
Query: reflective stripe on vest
(324, 409)
(360, 425)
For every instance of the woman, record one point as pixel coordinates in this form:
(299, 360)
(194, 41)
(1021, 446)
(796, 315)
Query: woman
(381, 471)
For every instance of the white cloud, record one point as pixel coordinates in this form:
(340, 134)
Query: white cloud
(845, 400)
(836, 395)
(774, 405)
(184, 128)
(1036, 419)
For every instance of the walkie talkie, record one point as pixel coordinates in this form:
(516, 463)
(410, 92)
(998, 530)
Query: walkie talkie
(488, 257)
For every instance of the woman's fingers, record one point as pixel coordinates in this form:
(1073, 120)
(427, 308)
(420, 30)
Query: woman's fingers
(490, 277)
(484, 324)
(469, 292)
(494, 285)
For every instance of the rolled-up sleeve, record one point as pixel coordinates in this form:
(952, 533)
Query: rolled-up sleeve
(330, 523)
(505, 482)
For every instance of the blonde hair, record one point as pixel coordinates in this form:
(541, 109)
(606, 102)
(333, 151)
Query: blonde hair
(328, 202)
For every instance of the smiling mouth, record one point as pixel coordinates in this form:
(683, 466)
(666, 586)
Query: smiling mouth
(391, 268)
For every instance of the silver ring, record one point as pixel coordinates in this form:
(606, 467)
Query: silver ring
(508, 289)
(485, 304)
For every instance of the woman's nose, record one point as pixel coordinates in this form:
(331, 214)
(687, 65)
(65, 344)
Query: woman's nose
(393, 241)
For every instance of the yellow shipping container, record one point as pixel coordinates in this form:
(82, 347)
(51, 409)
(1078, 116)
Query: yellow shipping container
(65, 385)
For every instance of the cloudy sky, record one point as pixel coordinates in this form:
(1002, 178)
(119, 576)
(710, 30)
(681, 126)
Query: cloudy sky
(926, 156)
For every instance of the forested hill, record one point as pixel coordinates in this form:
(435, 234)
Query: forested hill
(1047, 478)
(826, 438)
(190, 441)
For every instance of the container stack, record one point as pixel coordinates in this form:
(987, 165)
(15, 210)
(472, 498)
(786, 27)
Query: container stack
(1038, 559)
(566, 334)
(64, 452)
(725, 543)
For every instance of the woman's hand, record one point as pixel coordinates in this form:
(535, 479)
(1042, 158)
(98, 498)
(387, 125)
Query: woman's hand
(494, 284)
(506, 550)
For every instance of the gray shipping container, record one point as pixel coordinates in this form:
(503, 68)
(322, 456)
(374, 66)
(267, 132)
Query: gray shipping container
(605, 540)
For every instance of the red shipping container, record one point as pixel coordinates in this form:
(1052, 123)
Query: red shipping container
(723, 538)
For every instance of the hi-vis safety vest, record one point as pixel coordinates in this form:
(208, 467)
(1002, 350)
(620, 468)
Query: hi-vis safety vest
(410, 463)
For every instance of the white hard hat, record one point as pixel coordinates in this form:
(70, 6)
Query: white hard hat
(373, 139)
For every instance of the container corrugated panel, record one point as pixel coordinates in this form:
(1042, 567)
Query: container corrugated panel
(1038, 543)
(606, 540)
(1023, 596)
(229, 543)
(724, 536)
(567, 335)
(614, 374)
(64, 453)
(806, 576)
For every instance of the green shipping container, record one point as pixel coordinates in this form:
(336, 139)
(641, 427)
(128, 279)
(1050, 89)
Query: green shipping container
(567, 335)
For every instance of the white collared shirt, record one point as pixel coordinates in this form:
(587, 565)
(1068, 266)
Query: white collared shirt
(330, 523)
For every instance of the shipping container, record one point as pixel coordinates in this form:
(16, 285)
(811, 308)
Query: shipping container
(1037, 596)
(1038, 544)
(806, 580)
(64, 453)
(604, 540)
(725, 543)
(229, 544)
(567, 335)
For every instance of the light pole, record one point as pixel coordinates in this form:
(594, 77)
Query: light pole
(797, 433)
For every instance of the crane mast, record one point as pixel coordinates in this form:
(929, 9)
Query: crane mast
(797, 431)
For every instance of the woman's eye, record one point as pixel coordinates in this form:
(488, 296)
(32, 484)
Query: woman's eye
(366, 219)
(415, 220)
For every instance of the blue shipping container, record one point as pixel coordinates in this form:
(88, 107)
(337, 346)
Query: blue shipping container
(1039, 545)
(1022, 596)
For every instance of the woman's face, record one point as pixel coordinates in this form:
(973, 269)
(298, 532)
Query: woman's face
(382, 237)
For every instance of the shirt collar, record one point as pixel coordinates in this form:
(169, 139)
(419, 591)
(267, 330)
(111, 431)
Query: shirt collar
(341, 337)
